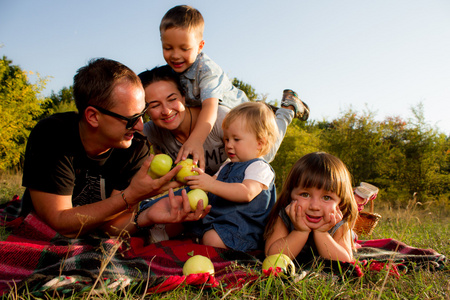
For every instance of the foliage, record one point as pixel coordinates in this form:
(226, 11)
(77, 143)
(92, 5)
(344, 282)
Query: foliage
(20, 110)
(355, 139)
(61, 102)
(246, 88)
(403, 158)
(299, 140)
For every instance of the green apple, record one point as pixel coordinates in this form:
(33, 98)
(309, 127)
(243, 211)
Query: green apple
(186, 170)
(198, 264)
(160, 166)
(195, 195)
(279, 260)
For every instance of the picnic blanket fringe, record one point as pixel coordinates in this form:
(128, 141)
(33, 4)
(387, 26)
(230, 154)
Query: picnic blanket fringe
(37, 259)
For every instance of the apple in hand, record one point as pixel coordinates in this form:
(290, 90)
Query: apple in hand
(196, 195)
(279, 260)
(160, 166)
(198, 264)
(187, 164)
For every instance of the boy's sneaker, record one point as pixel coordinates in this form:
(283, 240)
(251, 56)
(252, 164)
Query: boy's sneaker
(301, 110)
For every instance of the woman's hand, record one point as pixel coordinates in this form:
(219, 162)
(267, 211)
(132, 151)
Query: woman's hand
(297, 216)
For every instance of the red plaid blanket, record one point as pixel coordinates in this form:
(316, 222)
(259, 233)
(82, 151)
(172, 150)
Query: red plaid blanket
(36, 258)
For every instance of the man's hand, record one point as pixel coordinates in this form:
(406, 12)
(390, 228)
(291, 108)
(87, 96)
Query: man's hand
(172, 209)
(142, 186)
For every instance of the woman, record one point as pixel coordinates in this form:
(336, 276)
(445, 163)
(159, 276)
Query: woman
(172, 121)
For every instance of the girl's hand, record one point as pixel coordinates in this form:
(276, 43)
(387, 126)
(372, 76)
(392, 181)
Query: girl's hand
(201, 181)
(331, 220)
(297, 216)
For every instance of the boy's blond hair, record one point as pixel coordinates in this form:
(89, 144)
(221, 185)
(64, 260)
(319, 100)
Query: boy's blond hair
(183, 16)
(259, 119)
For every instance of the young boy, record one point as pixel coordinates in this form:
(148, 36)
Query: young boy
(206, 84)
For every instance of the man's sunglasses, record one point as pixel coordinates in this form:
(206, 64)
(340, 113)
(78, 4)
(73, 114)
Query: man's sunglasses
(131, 121)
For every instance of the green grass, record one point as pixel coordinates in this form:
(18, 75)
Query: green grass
(10, 185)
(420, 225)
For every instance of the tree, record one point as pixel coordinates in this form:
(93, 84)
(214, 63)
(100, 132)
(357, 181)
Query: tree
(300, 139)
(357, 141)
(20, 110)
(246, 88)
(61, 102)
(424, 151)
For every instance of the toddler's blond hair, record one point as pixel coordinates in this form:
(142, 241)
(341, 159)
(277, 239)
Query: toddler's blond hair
(259, 119)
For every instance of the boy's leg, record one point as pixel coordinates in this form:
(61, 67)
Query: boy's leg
(291, 106)
(283, 117)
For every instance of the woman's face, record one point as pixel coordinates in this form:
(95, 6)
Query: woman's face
(166, 104)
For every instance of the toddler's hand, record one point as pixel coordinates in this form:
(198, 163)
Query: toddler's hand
(201, 181)
(297, 216)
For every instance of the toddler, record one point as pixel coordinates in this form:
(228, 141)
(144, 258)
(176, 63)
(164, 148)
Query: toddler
(206, 84)
(242, 193)
(315, 211)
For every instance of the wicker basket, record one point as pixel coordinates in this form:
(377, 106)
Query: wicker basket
(366, 222)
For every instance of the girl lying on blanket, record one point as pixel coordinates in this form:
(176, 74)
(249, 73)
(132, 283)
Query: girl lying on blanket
(315, 212)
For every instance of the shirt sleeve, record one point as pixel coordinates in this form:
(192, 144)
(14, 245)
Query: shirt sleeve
(47, 166)
(211, 80)
(260, 171)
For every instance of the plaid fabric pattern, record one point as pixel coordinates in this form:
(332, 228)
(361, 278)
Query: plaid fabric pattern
(37, 259)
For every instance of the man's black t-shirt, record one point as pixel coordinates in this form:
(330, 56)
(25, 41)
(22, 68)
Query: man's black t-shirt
(56, 162)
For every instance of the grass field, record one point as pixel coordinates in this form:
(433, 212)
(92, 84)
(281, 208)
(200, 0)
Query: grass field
(422, 225)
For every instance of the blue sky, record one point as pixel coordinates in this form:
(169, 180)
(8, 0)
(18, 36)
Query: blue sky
(385, 56)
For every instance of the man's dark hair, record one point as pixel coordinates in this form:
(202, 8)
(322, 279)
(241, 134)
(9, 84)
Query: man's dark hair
(93, 83)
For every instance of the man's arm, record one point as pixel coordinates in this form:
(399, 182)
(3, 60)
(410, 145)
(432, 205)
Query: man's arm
(58, 212)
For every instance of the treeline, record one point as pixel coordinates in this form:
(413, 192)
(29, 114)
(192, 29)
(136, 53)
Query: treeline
(401, 157)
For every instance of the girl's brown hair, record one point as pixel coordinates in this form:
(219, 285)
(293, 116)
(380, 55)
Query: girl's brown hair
(322, 171)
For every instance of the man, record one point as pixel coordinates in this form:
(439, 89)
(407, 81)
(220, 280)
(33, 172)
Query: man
(88, 170)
